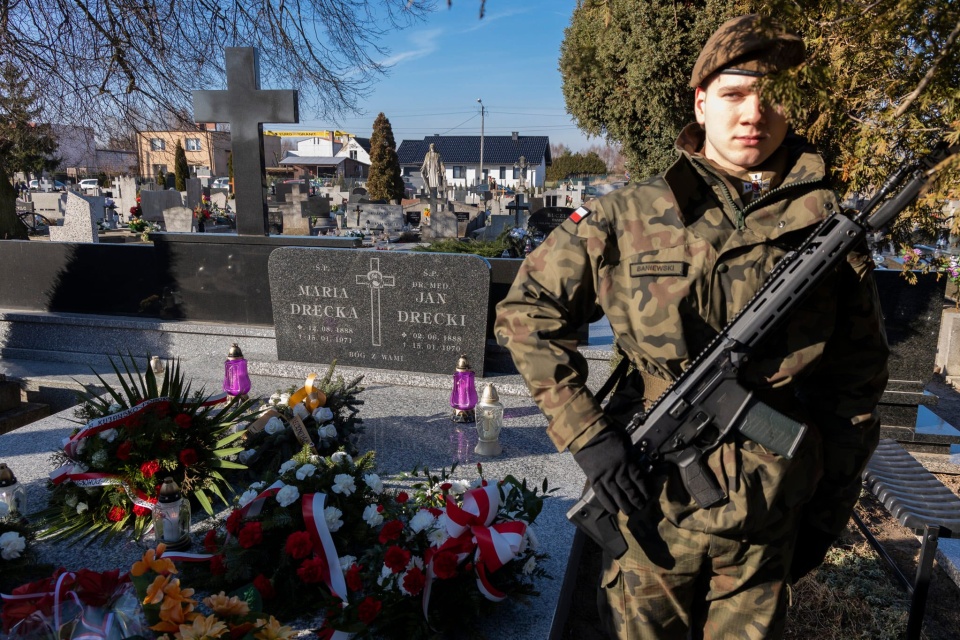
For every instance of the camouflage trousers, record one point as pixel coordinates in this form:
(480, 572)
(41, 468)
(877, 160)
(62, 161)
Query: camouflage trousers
(679, 584)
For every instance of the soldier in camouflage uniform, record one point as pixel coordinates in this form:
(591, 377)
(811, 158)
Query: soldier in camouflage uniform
(670, 261)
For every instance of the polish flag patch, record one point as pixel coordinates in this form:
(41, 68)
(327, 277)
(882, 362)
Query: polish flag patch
(579, 214)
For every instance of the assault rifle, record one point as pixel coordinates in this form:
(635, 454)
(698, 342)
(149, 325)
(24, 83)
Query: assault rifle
(707, 402)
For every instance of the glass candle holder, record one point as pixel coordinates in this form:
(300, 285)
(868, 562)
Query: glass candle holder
(12, 494)
(463, 397)
(489, 423)
(236, 380)
(171, 517)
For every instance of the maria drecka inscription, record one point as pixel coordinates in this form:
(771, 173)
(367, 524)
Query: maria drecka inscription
(409, 311)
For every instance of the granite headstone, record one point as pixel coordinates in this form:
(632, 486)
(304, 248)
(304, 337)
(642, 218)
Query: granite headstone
(79, 221)
(549, 218)
(388, 217)
(153, 203)
(379, 309)
(179, 220)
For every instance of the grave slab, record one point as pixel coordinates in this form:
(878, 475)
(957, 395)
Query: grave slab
(79, 221)
(410, 311)
(179, 220)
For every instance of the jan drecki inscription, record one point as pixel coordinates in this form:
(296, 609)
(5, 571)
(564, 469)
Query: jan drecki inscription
(377, 309)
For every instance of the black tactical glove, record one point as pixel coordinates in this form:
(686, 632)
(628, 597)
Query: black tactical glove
(809, 551)
(616, 480)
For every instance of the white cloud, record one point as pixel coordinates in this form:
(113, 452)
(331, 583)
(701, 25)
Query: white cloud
(425, 43)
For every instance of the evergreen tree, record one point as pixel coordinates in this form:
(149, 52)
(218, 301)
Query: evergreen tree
(181, 171)
(25, 145)
(878, 88)
(385, 182)
(576, 164)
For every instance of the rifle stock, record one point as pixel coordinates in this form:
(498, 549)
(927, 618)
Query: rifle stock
(706, 403)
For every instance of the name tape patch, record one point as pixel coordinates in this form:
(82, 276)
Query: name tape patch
(579, 214)
(658, 269)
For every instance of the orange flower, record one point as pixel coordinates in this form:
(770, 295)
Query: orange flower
(272, 630)
(225, 606)
(155, 590)
(152, 561)
(203, 627)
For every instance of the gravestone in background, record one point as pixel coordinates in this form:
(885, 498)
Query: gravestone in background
(79, 221)
(179, 220)
(246, 107)
(549, 218)
(389, 217)
(50, 205)
(154, 203)
(443, 224)
(379, 309)
(194, 192)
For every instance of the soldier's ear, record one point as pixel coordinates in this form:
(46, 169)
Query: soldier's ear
(699, 95)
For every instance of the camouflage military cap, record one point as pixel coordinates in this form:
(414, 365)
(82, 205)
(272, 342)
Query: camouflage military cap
(747, 45)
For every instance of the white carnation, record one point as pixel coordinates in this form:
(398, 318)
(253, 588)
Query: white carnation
(274, 399)
(306, 471)
(288, 495)
(327, 431)
(331, 516)
(346, 562)
(109, 435)
(386, 573)
(301, 411)
(323, 414)
(247, 497)
(81, 507)
(11, 545)
(287, 466)
(374, 482)
(436, 537)
(99, 458)
(274, 425)
(284, 398)
(459, 487)
(344, 483)
(257, 486)
(423, 520)
(244, 456)
(71, 501)
(372, 516)
(114, 408)
(341, 456)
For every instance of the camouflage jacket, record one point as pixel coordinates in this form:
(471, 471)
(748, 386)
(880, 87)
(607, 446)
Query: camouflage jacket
(670, 261)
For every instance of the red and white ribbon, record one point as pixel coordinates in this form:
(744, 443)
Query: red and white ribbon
(312, 505)
(252, 509)
(97, 479)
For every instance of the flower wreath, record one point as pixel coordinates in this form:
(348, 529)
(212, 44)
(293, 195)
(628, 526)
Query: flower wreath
(109, 471)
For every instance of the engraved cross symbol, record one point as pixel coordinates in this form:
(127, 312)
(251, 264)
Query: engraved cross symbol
(376, 281)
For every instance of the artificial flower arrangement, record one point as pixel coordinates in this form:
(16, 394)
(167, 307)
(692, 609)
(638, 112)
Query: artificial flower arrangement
(109, 470)
(326, 408)
(202, 212)
(171, 610)
(82, 604)
(327, 535)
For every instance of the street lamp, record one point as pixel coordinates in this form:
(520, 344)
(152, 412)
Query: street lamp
(482, 111)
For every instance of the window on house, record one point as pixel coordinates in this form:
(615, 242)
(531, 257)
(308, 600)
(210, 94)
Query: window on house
(157, 144)
(353, 155)
(193, 144)
(516, 173)
(459, 171)
(157, 168)
(503, 173)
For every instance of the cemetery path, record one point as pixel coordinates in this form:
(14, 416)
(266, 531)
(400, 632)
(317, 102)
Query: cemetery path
(942, 619)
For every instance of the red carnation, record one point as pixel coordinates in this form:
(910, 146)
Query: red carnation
(402, 497)
(117, 514)
(123, 451)
(312, 570)
(234, 522)
(445, 565)
(210, 541)
(354, 583)
(368, 610)
(188, 457)
(413, 581)
(299, 545)
(218, 565)
(163, 409)
(264, 586)
(396, 559)
(183, 420)
(251, 535)
(391, 531)
(149, 468)
(141, 511)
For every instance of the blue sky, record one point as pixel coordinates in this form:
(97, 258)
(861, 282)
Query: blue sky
(441, 66)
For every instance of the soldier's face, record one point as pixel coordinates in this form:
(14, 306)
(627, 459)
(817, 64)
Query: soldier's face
(741, 131)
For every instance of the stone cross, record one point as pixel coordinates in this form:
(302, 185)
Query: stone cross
(376, 281)
(246, 107)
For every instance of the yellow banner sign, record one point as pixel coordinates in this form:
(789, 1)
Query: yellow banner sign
(306, 134)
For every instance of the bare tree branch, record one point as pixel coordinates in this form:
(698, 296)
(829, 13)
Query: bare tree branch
(928, 76)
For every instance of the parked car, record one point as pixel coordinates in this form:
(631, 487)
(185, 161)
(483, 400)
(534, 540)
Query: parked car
(220, 183)
(35, 185)
(89, 183)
